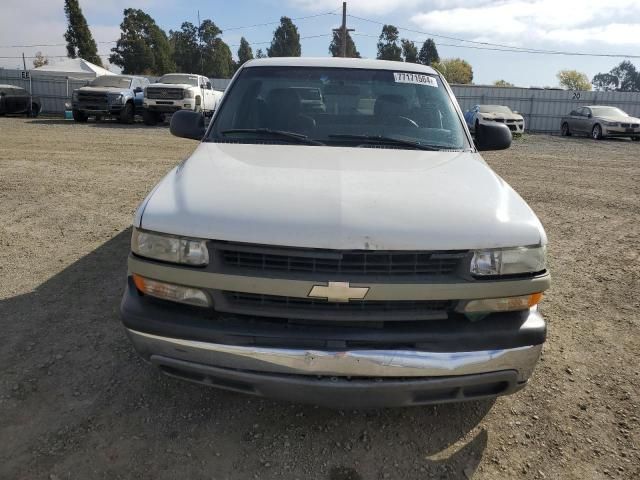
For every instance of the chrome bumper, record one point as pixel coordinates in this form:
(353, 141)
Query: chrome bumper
(351, 363)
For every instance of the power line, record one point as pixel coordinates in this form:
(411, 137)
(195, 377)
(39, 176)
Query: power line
(496, 46)
(223, 30)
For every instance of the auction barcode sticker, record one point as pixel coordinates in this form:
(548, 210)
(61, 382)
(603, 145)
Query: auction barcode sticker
(415, 78)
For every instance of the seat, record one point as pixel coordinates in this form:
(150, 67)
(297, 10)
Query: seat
(284, 112)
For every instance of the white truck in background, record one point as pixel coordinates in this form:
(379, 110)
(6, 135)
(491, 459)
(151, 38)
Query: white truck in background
(179, 91)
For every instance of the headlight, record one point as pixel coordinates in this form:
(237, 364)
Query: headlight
(188, 94)
(611, 124)
(144, 92)
(169, 248)
(115, 98)
(508, 261)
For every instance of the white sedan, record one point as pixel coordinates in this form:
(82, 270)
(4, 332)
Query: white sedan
(495, 113)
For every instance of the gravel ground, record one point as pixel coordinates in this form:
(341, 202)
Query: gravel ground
(77, 403)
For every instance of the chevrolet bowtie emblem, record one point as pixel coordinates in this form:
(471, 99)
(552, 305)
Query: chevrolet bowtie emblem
(338, 292)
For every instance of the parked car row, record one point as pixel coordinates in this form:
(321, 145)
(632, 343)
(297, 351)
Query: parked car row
(125, 96)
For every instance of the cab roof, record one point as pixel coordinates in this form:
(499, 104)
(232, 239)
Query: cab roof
(338, 62)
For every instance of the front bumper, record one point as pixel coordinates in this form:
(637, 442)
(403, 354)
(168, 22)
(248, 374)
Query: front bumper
(620, 132)
(168, 106)
(472, 360)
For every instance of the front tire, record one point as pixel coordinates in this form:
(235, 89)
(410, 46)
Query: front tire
(596, 132)
(79, 116)
(35, 110)
(127, 114)
(150, 118)
(635, 139)
(565, 130)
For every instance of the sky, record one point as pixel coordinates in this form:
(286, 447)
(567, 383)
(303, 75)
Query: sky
(584, 26)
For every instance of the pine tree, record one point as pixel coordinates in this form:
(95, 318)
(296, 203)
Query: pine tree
(260, 54)
(428, 53)
(388, 48)
(409, 51)
(335, 47)
(186, 49)
(143, 47)
(218, 61)
(286, 40)
(244, 52)
(80, 42)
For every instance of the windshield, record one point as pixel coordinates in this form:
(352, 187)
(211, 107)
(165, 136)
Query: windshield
(608, 112)
(339, 107)
(179, 79)
(114, 81)
(494, 109)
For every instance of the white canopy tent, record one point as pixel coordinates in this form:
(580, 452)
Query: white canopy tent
(76, 68)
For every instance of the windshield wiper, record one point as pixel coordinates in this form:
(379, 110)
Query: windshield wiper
(391, 140)
(299, 137)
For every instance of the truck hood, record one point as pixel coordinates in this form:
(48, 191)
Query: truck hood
(171, 85)
(104, 90)
(340, 198)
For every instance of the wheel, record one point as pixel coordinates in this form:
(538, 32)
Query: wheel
(149, 118)
(98, 118)
(79, 116)
(635, 139)
(596, 132)
(35, 110)
(565, 130)
(127, 114)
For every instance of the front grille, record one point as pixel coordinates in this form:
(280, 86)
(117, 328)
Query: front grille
(358, 311)
(337, 262)
(625, 125)
(635, 125)
(92, 98)
(164, 93)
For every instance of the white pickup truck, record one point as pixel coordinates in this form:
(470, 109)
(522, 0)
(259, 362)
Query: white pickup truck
(355, 250)
(179, 91)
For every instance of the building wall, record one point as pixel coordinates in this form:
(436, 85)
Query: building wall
(54, 91)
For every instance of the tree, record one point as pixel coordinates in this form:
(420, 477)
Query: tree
(573, 80)
(409, 51)
(286, 40)
(143, 47)
(388, 48)
(260, 54)
(503, 83)
(186, 49)
(605, 82)
(244, 52)
(335, 47)
(622, 78)
(217, 58)
(428, 53)
(628, 77)
(40, 60)
(80, 42)
(455, 70)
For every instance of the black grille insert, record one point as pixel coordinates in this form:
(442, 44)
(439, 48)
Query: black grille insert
(161, 93)
(335, 262)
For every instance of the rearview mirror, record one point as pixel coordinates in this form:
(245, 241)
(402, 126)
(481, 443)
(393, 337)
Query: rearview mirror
(494, 136)
(187, 124)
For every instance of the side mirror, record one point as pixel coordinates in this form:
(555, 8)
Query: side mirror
(187, 124)
(137, 90)
(494, 136)
(589, 115)
(209, 87)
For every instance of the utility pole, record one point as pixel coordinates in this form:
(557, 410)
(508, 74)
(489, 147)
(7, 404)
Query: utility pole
(343, 31)
(200, 45)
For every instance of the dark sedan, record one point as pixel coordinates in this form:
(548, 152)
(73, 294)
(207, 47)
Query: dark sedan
(16, 100)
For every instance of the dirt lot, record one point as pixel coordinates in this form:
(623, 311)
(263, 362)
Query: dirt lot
(76, 403)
